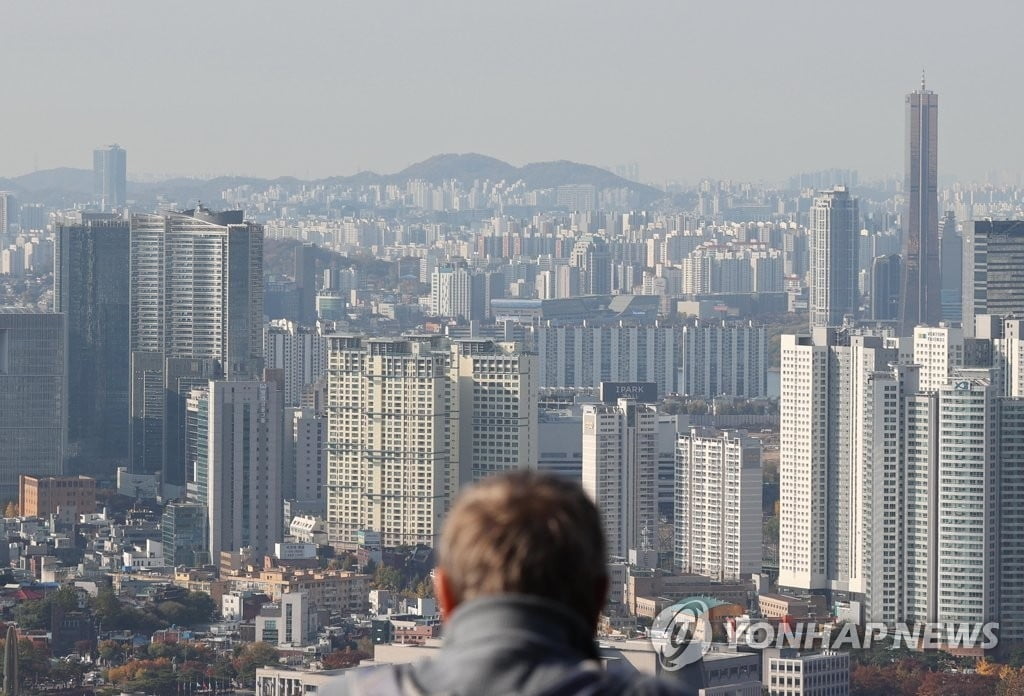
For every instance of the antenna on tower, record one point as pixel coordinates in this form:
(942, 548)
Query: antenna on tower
(922, 79)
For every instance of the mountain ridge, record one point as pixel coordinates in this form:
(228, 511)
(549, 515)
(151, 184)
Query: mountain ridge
(465, 167)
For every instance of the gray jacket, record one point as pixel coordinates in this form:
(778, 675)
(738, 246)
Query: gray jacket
(513, 645)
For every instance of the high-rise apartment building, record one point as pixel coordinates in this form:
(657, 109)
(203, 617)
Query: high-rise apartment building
(410, 420)
(591, 256)
(921, 296)
(299, 351)
(390, 459)
(305, 461)
(833, 239)
(91, 288)
(699, 359)
(233, 446)
(451, 292)
(496, 422)
(110, 176)
(993, 269)
(8, 209)
(718, 518)
(33, 396)
(196, 288)
(820, 465)
(620, 467)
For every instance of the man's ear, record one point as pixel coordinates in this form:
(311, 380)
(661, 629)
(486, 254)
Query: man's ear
(446, 601)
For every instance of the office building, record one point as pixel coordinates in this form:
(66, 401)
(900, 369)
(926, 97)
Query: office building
(833, 238)
(290, 622)
(110, 176)
(299, 351)
(886, 279)
(921, 296)
(620, 462)
(33, 396)
(184, 533)
(196, 288)
(993, 269)
(91, 288)
(789, 672)
(233, 435)
(951, 249)
(41, 496)
(718, 518)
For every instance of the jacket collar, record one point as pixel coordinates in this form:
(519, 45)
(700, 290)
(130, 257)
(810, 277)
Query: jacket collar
(521, 618)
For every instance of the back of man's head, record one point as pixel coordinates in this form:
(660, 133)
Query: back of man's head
(526, 533)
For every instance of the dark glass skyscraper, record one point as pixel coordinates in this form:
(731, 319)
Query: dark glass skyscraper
(110, 175)
(91, 288)
(921, 293)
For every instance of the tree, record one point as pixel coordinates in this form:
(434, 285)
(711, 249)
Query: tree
(109, 650)
(1011, 682)
(387, 578)
(957, 684)
(36, 614)
(252, 656)
(11, 509)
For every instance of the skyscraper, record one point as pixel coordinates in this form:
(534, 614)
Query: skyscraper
(921, 296)
(451, 292)
(110, 172)
(196, 296)
(833, 249)
(91, 288)
(620, 471)
(33, 401)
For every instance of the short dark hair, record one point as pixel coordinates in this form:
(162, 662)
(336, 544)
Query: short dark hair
(526, 533)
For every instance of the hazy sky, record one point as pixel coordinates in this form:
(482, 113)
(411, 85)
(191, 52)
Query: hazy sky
(747, 89)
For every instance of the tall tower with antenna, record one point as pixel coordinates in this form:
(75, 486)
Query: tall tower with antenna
(920, 296)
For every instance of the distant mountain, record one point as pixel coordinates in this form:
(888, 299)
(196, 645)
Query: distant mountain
(64, 179)
(72, 184)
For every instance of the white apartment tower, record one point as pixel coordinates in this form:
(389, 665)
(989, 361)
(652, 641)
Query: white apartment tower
(832, 449)
(833, 255)
(620, 458)
(718, 519)
(300, 352)
(233, 435)
(451, 290)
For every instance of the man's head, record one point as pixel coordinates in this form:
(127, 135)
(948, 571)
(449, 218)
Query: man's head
(524, 533)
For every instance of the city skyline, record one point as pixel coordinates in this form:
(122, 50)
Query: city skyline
(673, 78)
